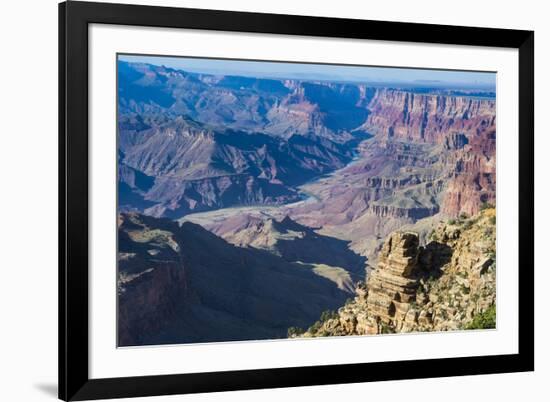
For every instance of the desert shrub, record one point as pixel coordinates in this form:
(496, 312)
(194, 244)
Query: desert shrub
(327, 315)
(315, 327)
(452, 221)
(486, 205)
(484, 320)
(386, 329)
(294, 331)
(463, 216)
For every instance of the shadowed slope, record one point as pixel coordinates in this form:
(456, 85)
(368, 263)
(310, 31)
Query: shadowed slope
(184, 284)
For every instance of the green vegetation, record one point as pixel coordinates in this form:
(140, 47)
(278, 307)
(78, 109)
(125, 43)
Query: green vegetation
(386, 329)
(325, 316)
(486, 205)
(315, 327)
(463, 216)
(484, 320)
(462, 274)
(294, 331)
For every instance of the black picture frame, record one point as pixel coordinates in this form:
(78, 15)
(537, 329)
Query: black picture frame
(74, 18)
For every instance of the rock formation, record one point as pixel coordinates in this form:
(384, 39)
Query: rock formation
(183, 284)
(392, 285)
(426, 117)
(441, 286)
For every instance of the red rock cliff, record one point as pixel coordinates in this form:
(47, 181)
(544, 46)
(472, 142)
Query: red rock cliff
(428, 118)
(464, 127)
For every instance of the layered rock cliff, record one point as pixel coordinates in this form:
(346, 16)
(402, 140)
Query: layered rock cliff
(444, 285)
(463, 126)
(151, 283)
(472, 175)
(408, 116)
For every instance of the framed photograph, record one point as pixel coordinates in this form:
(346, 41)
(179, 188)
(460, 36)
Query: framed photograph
(257, 200)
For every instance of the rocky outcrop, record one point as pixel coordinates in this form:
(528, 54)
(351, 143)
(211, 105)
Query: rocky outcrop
(392, 285)
(438, 287)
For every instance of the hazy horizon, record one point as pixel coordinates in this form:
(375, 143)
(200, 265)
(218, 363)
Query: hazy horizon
(324, 72)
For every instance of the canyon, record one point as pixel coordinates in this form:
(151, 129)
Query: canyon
(183, 284)
(241, 198)
(207, 142)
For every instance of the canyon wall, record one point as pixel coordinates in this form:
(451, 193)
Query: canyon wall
(407, 116)
(465, 128)
(430, 154)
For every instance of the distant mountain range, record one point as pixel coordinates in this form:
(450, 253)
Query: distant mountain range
(190, 143)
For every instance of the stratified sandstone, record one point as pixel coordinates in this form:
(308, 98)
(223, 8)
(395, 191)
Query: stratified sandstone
(392, 285)
(425, 117)
(438, 287)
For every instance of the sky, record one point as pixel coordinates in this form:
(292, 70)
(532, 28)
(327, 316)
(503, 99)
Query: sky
(366, 74)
